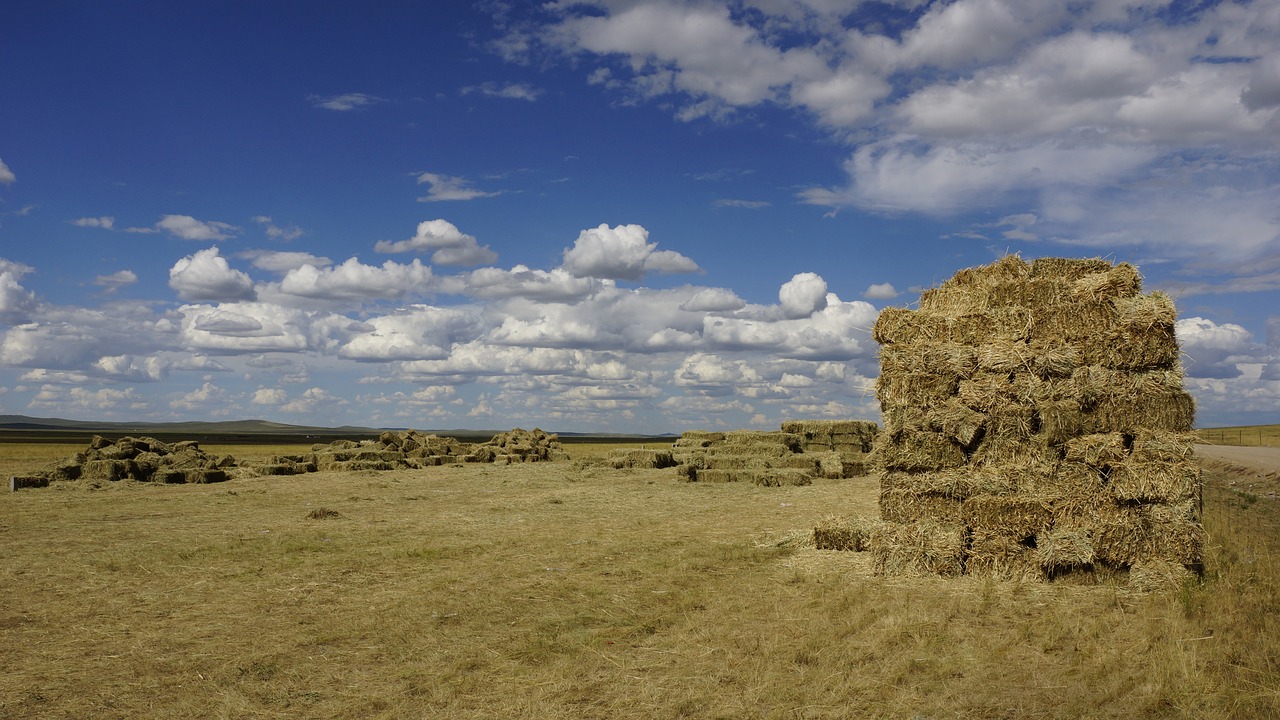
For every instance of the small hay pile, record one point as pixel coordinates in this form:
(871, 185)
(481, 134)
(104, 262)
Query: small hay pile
(143, 459)
(413, 449)
(774, 458)
(1035, 426)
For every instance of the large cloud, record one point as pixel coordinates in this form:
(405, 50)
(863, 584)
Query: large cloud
(353, 280)
(447, 244)
(207, 276)
(621, 253)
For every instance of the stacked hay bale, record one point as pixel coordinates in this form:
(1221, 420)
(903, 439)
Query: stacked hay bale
(1035, 425)
(852, 439)
(827, 449)
(143, 459)
(519, 446)
(646, 458)
(414, 449)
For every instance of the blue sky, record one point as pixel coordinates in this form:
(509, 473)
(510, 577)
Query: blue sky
(610, 216)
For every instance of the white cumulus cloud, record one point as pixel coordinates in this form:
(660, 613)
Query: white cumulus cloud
(621, 253)
(206, 275)
(447, 244)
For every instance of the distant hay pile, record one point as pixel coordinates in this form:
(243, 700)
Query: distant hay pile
(142, 459)
(413, 449)
(801, 451)
(1036, 426)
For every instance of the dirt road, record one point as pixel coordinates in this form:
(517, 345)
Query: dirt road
(1265, 460)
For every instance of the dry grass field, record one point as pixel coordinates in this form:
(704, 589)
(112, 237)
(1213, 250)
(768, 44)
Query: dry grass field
(1245, 435)
(544, 591)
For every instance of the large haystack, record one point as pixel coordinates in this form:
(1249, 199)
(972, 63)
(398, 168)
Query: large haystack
(1035, 425)
(802, 451)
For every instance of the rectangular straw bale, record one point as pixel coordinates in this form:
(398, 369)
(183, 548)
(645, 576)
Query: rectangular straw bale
(1128, 348)
(1120, 534)
(914, 389)
(904, 418)
(1177, 534)
(1029, 479)
(952, 299)
(1152, 575)
(843, 533)
(729, 460)
(1098, 449)
(1163, 446)
(1059, 420)
(783, 477)
(699, 439)
(900, 325)
(1143, 311)
(1073, 322)
(1155, 482)
(1011, 514)
(923, 548)
(771, 437)
(985, 390)
(1009, 323)
(1052, 358)
(1003, 450)
(957, 421)
(829, 465)
(957, 484)
(1001, 556)
(903, 506)
(1121, 281)
(1032, 293)
(1070, 477)
(940, 358)
(1063, 549)
(1004, 356)
(1010, 420)
(918, 452)
(716, 475)
(641, 458)
(1168, 411)
(1067, 269)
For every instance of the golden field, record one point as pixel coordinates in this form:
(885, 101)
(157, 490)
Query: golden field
(549, 590)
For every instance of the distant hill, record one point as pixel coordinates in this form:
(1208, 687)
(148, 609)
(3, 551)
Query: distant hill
(23, 427)
(225, 427)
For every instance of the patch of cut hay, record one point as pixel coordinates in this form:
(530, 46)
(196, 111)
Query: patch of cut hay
(1059, 420)
(323, 513)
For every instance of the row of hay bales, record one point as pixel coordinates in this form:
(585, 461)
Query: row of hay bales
(795, 455)
(143, 459)
(1035, 425)
(414, 449)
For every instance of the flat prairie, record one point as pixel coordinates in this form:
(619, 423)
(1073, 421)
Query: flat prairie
(561, 590)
